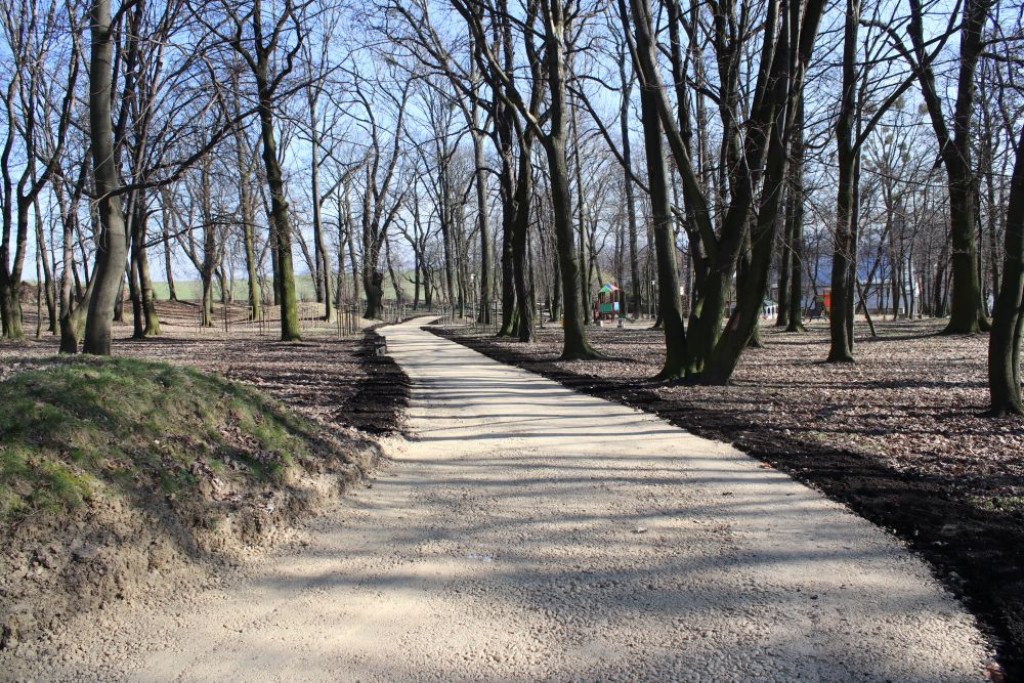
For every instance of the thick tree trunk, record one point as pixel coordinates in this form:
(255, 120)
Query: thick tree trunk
(1004, 376)
(965, 314)
(10, 308)
(279, 214)
(669, 307)
(373, 283)
(508, 281)
(72, 322)
(575, 345)
(506, 191)
(111, 246)
(11, 312)
(841, 350)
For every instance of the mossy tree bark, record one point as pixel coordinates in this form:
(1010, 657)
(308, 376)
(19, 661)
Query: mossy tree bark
(279, 209)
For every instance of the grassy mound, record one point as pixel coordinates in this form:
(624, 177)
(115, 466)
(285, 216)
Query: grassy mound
(106, 428)
(116, 476)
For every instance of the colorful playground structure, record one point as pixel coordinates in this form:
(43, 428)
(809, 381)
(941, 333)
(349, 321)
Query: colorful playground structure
(609, 304)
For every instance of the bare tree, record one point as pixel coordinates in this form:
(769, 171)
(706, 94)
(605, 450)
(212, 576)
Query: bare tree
(966, 314)
(43, 42)
(756, 159)
(381, 202)
(268, 39)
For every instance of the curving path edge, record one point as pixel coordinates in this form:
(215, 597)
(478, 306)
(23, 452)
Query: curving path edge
(527, 532)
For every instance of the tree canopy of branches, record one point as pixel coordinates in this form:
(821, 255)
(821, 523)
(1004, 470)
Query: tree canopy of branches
(506, 159)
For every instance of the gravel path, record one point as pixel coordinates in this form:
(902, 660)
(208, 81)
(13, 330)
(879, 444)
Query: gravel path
(528, 532)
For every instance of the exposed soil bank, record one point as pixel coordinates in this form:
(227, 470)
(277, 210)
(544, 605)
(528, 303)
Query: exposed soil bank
(155, 542)
(945, 480)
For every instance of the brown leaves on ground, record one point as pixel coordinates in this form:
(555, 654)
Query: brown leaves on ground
(327, 377)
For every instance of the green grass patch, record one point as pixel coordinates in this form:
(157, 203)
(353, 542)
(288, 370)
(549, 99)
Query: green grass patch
(1011, 504)
(85, 428)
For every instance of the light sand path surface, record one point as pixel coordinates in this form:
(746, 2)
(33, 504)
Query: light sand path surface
(527, 532)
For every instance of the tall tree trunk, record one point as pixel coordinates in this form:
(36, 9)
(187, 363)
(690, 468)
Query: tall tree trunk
(49, 288)
(785, 270)
(669, 307)
(151, 325)
(350, 235)
(172, 294)
(504, 133)
(111, 244)
(279, 213)
(520, 232)
(245, 199)
(581, 217)
(627, 160)
(323, 260)
(575, 345)
(208, 262)
(1004, 348)
(135, 296)
(966, 314)
(841, 350)
(486, 250)
(795, 221)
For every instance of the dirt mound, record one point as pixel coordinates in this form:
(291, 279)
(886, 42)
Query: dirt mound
(123, 477)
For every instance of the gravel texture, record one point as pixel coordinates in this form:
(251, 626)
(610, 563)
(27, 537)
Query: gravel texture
(900, 437)
(527, 532)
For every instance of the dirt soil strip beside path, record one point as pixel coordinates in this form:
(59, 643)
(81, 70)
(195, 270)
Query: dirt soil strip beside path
(528, 532)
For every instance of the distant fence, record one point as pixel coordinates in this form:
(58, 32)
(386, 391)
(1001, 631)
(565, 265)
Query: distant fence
(346, 318)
